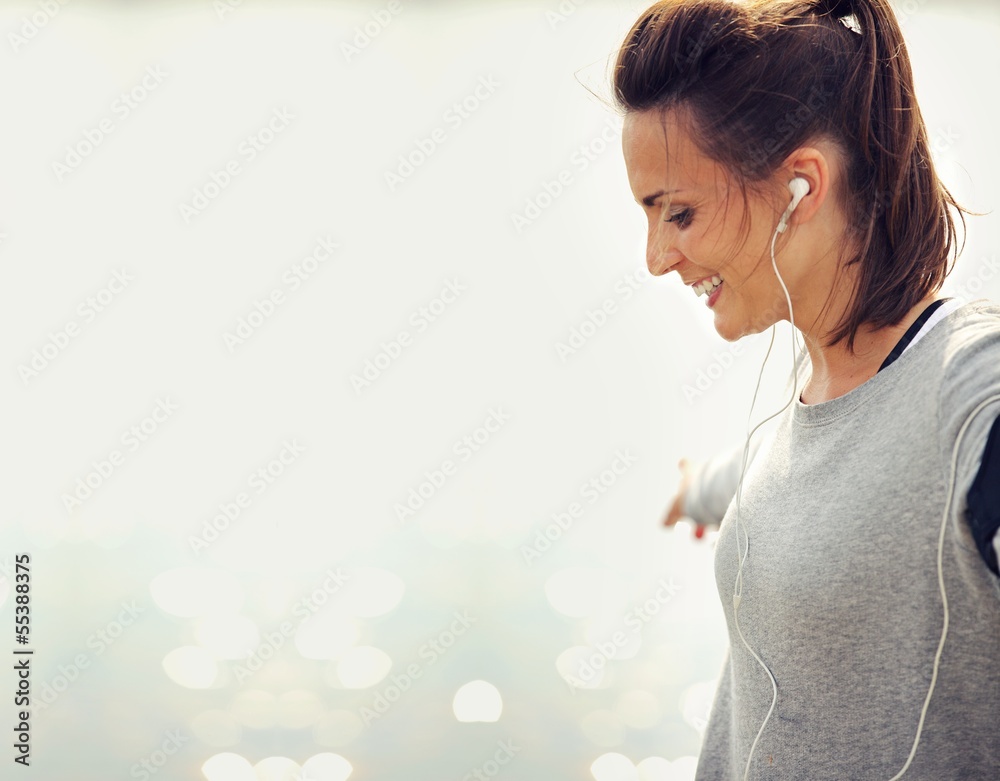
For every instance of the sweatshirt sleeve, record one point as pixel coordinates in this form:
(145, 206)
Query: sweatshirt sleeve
(713, 484)
(971, 382)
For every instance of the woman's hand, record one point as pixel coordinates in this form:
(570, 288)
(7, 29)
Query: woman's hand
(676, 511)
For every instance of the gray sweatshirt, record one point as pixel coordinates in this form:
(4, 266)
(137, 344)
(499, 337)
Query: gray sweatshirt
(843, 507)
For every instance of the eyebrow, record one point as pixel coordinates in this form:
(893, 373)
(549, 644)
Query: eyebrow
(648, 200)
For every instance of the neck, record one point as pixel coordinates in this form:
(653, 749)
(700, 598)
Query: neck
(835, 370)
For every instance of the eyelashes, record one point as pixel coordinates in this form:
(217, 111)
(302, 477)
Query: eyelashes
(681, 218)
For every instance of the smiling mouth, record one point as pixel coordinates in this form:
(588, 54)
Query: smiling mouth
(707, 286)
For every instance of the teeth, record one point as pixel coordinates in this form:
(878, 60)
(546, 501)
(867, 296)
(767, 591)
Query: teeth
(708, 286)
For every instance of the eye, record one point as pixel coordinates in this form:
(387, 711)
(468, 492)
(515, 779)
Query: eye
(682, 218)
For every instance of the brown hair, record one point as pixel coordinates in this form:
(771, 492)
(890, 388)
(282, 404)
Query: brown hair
(761, 78)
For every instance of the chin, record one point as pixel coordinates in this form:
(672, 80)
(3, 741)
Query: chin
(728, 330)
(733, 329)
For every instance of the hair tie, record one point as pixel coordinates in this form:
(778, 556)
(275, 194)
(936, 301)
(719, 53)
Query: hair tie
(838, 9)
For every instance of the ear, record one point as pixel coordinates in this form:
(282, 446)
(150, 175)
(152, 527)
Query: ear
(810, 163)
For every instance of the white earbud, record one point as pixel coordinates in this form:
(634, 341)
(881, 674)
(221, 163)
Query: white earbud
(799, 188)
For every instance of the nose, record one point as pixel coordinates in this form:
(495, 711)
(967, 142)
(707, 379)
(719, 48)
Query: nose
(660, 264)
(662, 255)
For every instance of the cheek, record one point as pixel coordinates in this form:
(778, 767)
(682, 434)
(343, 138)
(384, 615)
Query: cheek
(715, 233)
(745, 257)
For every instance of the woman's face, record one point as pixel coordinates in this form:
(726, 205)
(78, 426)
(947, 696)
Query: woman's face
(693, 231)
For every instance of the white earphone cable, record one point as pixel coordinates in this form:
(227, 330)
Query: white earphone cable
(738, 590)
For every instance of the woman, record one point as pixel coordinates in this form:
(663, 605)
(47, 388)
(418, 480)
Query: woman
(778, 152)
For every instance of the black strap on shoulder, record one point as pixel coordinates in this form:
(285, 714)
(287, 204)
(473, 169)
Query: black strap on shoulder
(911, 332)
(983, 512)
